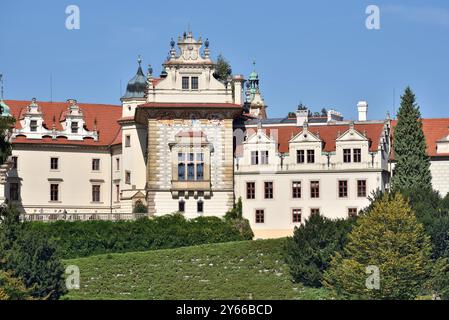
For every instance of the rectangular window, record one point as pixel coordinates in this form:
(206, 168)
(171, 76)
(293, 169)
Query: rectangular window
(254, 158)
(14, 191)
(54, 192)
(199, 171)
(346, 155)
(200, 206)
(74, 127)
(314, 211)
(310, 156)
(199, 166)
(342, 189)
(185, 83)
(194, 83)
(54, 163)
(260, 216)
(181, 206)
(95, 164)
(296, 189)
(33, 125)
(361, 188)
(296, 215)
(96, 193)
(264, 157)
(127, 141)
(268, 190)
(314, 189)
(300, 158)
(117, 193)
(357, 155)
(181, 171)
(190, 166)
(190, 172)
(128, 177)
(250, 190)
(352, 212)
(117, 164)
(15, 162)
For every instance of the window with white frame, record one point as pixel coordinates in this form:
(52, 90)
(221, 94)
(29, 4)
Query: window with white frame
(54, 163)
(190, 166)
(254, 158)
(264, 157)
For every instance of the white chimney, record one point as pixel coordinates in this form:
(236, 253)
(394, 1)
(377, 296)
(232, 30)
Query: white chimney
(301, 117)
(362, 107)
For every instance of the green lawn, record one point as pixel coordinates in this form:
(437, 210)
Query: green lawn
(234, 270)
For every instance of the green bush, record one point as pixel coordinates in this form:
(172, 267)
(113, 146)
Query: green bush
(28, 257)
(391, 238)
(140, 208)
(84, 238)
(310, 250)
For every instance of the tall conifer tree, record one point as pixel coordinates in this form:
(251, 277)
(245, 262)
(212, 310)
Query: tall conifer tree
(412, 171)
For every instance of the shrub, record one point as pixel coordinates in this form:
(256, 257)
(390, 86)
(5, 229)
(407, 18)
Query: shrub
(310, 250)
(235, 218)
(391, 238)
(29, 256)
(140, 208)
(12, 288)
(33, 259)
(84, 238)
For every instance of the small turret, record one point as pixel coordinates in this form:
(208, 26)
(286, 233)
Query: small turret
(136, 87)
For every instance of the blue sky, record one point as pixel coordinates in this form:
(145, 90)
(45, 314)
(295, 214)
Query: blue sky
(316, 52)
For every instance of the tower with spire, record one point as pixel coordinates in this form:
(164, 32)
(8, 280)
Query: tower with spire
(255, 104)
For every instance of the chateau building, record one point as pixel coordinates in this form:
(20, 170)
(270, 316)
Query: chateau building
(189, 141)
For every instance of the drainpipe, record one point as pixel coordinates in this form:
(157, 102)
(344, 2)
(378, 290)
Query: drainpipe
(110, 195)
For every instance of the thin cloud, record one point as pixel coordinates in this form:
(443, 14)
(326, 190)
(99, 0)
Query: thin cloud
(421, 14)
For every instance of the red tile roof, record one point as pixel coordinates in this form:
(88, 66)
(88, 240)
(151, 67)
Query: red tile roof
(106, 115)
(327, 133)
(434, 130)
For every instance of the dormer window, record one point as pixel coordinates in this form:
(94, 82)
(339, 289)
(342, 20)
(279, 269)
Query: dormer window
(264, 157)
(194, 83)
(310, 156)
(33, 125)
(254, 158)
(190, 83)
(74, 127)
(185, 83)
(357, 155)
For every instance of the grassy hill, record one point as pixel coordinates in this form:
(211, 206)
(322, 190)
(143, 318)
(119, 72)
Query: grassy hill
(234, 270)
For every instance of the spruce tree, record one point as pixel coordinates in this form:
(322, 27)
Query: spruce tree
(390, 238)
(412, 171)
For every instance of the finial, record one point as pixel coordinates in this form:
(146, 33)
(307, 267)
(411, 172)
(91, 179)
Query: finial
(139, 60)
(172, 43)
(206, 43)
(254, 65)
(150, 70)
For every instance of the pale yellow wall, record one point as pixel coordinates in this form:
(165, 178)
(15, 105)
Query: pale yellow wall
(278, 211)
(75, 176)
